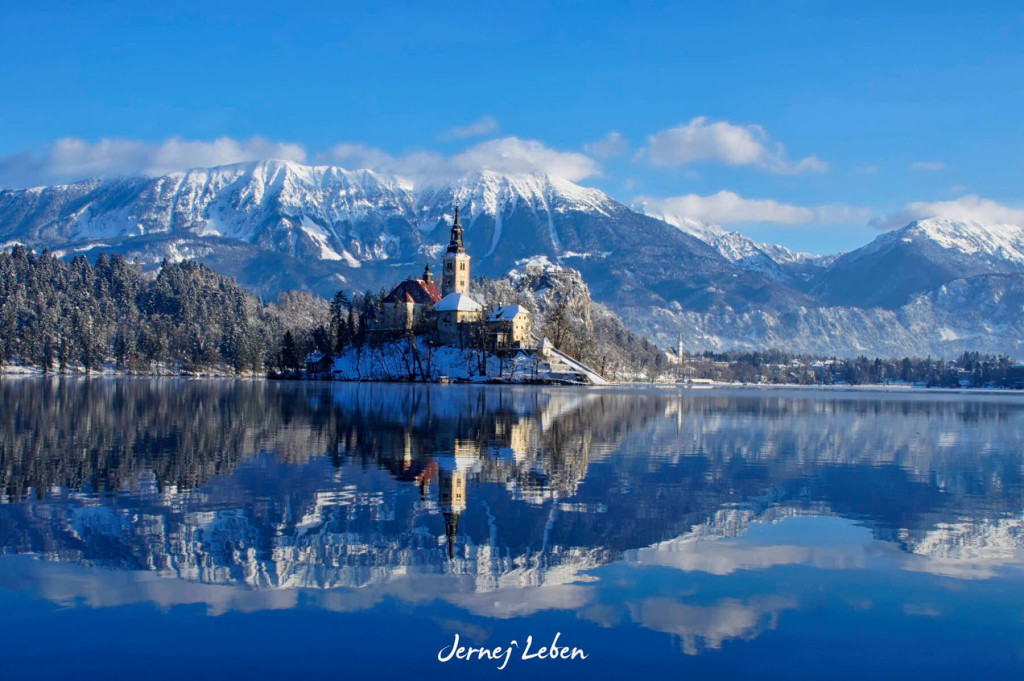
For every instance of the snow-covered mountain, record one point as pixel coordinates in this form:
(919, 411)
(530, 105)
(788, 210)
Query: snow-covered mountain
(778, 262)
(918, 258)
(276, 225)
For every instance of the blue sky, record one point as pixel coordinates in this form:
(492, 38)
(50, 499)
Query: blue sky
(808, 124)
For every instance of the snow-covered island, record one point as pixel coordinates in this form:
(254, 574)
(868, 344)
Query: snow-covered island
(426, 332)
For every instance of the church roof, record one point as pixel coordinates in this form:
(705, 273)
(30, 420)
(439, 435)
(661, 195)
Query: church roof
(457, 302)
(507, 313)
(414, 291)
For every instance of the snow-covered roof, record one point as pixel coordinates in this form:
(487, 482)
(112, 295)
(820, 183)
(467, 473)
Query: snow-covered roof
(507, 313)
(457, 302)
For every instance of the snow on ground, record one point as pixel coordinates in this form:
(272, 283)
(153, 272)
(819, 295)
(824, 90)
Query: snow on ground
(403, 360)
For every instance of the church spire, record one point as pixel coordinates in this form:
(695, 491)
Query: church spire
(455, 278)
(456, 245)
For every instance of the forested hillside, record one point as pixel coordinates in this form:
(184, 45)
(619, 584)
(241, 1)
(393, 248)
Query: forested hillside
(61, 315)
(64, 315)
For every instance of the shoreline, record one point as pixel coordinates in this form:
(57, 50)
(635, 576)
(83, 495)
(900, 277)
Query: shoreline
(886, 388)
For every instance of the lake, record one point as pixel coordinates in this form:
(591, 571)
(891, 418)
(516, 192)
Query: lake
(221, 529)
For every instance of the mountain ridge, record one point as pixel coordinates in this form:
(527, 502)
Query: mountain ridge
(281, 224)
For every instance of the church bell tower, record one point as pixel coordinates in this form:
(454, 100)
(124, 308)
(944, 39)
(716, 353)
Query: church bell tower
(455, 278)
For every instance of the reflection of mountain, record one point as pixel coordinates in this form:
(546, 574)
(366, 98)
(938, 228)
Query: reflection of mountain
(456, 491)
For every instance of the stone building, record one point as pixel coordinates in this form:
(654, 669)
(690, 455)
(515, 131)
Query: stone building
(458, 318)
(410, 302)
(509, 327)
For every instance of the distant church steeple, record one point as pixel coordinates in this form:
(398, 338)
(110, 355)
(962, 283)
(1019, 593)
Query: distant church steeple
(427, 276)
(455, 278)
(456, 245)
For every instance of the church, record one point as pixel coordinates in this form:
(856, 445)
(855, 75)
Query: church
(450, 312)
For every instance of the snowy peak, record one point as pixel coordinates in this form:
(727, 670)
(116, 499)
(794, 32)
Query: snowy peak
(926, 254)
(491, 194)
(776, 261)
(998, 241)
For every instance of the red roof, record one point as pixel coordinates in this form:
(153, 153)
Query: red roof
(414, 291)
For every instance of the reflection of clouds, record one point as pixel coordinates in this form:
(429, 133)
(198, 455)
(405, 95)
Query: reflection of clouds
(719, 548)
(719, 557)
(965, 550)
(709, 626)
(459, 590)
(71, 583)
(68, 584)
(513, 602)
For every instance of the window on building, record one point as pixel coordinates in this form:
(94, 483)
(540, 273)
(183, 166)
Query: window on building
(462, 265)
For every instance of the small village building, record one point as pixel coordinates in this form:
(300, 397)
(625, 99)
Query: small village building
(456, 316)
(509, 327)
(409, 302)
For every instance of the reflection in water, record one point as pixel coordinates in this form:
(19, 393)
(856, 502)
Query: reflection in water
(503, 502)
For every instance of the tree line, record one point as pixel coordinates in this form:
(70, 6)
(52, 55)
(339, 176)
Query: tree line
(773, 366)
(71, 315)
(65, 315)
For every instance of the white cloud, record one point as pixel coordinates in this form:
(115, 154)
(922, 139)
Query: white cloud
(504, 155)
(485, 125)
(513, 155)
(968, 208)
(724, 142)
(728, 208)
(927, 165)
(611, 145)
(71, 159)
(709, 626)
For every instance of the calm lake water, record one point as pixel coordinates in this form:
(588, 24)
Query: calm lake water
(176, 529)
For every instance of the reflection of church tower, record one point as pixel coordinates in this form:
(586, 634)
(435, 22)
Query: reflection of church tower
(455, 278)
(452, 499)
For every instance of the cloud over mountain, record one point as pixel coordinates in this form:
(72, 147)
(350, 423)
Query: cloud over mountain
(728, 208)
(504, 155)
(71, 159)
(724, 142)
(970, 207)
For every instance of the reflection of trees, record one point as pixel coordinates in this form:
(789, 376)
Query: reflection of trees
(277, 484)
(100, 435)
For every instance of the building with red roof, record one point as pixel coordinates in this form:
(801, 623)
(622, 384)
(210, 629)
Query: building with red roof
(409, 302)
